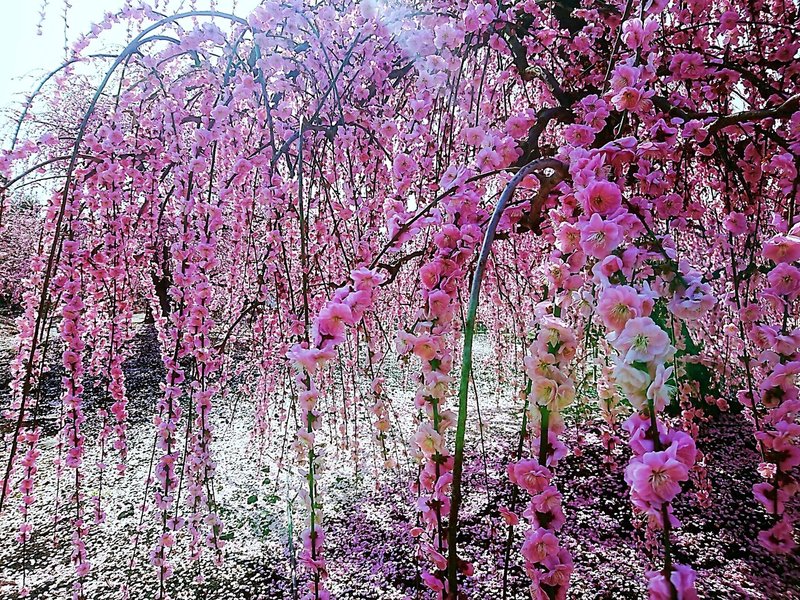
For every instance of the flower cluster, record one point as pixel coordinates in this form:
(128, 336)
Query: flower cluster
(662, 457)
(254, 163)
(329, 329)
(71, 330)
(429, 341)
(547, 563)
(779, 433)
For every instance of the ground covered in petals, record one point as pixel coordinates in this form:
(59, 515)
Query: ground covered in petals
(371, 554)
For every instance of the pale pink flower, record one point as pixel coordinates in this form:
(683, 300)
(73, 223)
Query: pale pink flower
(637, 426)
(428, 440)
(568, 238)
(474, 136)
(633, 382)
(688, 65)
(782, 249)
(660, 391)
(637, 34)
(692, 302)
(599, 238)
(617, 305)
(655, 476)
(310, 358)
(559, 570)
(367, 278)
(438, 304)
(543, 391)
(83, 568)
(643, 341)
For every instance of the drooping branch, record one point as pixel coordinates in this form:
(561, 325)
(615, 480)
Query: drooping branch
(560, 172)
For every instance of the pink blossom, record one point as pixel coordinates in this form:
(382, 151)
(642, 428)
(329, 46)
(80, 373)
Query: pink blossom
(332, 321)
(599, 238)
(508, 515)
(539, 544)
(637, 34)
(728, 20)
(545, 509)
(529, 475)
(630, 98)
(782, 249)
(634, 382)
(774, 499)
(643, 341)
(660, 391)
(403, 166)
(602, 197)
(616, 305)
(736, 223)
(784, 280)
(683, 446)
(655, 476)
(687, 65)
(429, 440)
(559, 569)
(433, 582)
(779, 539)
(543, 391)
(309, 358)
(681, 579)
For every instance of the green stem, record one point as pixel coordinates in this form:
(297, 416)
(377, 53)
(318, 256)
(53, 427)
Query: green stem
(544, 432)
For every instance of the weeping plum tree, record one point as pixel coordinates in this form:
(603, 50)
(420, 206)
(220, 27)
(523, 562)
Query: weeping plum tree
(322, 186)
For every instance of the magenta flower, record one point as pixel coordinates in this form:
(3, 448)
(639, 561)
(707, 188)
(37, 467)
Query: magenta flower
(773, 498)
(784, 280)
(538, 545)
(545, 509)
(779, 538)
(682, 579)
(529, 475)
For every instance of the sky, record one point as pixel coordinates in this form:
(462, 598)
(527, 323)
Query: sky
(25, 57)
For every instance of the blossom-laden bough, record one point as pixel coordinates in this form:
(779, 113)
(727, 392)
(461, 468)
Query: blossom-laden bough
(310, 188)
